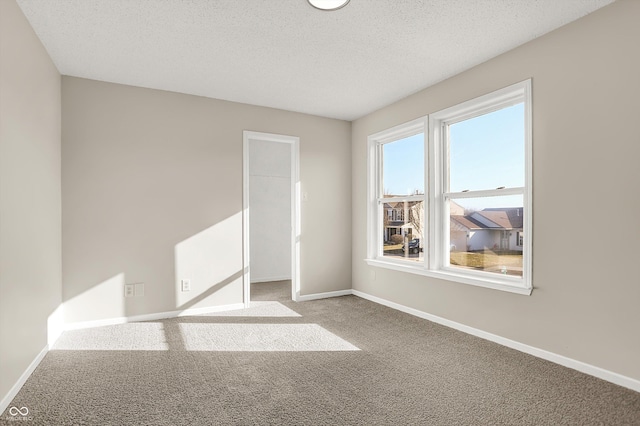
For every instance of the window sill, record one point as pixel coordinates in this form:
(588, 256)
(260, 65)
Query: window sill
(452, 276)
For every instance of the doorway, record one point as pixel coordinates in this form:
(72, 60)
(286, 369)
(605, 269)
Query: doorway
(271, 211)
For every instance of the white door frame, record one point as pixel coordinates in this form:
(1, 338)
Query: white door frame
(294, 142)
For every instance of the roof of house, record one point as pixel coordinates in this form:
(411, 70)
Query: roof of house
(509, 218)
(466, 221)
(502, 218)
(400, 204)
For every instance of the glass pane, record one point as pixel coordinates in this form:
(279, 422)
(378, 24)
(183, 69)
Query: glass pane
(403, 166)
(403, 225)
(487, 152)
(486, 234)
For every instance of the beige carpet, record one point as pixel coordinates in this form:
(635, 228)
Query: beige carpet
(327, 362)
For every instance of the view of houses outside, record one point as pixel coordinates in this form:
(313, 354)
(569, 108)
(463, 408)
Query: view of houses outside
(403, 226)
(490, 239)
(486, 153)
(403, 177)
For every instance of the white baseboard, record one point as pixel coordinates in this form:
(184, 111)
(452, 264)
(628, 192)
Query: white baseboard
(4, 403)
(269, 279)
(583, 367)
(152, 317)
(316, 296)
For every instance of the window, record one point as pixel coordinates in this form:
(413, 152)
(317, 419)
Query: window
(398, 188)
(460, 193)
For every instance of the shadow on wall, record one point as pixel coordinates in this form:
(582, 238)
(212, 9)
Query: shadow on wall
(155, 266)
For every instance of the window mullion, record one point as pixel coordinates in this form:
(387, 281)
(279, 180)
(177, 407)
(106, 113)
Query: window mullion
(485, 193)
(419, 197)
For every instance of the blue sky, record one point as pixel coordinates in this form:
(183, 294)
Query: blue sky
(403, 164)
(486, 152)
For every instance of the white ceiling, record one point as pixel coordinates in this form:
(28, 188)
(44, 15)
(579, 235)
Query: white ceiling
(286, 54)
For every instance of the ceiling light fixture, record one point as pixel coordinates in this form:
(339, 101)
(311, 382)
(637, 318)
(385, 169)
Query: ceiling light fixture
(328, 4)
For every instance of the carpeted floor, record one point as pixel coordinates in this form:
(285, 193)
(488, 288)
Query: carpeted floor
(328, 362)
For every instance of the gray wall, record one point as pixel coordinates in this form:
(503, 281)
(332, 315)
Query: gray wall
(270, 207)
(152, 193)
(30, 277)
(586, 150)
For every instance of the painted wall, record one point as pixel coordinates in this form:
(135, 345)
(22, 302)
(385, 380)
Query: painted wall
(152, 193)
(585, 153)
(270, 207)
(30, 276)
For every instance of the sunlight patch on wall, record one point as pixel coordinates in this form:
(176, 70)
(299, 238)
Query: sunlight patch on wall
(210, 260)
(109, 293)
(55, 325)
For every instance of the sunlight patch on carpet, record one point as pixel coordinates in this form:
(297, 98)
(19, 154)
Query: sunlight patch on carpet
(258, 309)
(261, 338)
(139, 336)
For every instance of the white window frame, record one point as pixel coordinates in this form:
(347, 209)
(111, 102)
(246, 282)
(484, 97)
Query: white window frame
(376, 190)
(436, 244)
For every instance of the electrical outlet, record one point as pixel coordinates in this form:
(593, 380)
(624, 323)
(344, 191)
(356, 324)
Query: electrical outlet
(186, 285)
(129, 290)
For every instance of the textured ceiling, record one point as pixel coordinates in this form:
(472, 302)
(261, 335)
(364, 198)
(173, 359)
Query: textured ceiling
(284, 53)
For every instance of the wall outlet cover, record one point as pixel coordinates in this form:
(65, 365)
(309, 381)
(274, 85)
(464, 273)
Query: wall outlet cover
(186, 285)
(129, 290)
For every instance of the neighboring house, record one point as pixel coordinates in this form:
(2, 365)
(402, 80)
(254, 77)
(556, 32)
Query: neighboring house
(402, 218)
(491, 228)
